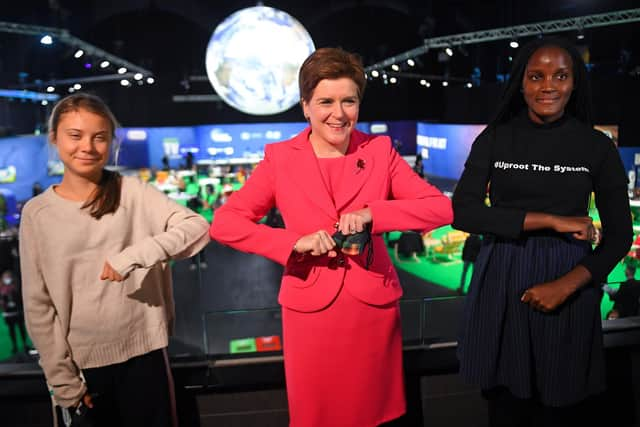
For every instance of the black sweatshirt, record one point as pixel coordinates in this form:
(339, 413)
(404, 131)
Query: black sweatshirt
(550, 168)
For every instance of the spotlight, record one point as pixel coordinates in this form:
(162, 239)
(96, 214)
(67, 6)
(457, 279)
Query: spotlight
(122, 70)
(104, 64)
(448, 51)
(77, 86)
(50, 89)
(411, 62)
(395, 67)
(150, 80)
(514, 44)
(423, 82)
(71, 89)
(580, 35)
(78, 53)
(375, 73)
(428, 84)
(88, 65)
(393, 80)
(137, 76)
(445, 83)
(124, 82)
(44, 102)
(469, 85)
(46, 39)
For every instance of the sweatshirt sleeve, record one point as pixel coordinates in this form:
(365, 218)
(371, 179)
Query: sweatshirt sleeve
(470, 212)
(43, 323)
(612, 201)
(413, 204)
(184, 233)
(235, 223)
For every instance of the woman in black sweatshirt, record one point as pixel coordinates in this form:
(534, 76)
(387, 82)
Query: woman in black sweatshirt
(532, 336)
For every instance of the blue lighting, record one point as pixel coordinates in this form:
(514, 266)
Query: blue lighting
(25, 94)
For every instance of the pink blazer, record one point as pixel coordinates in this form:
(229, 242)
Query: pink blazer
(289, 178)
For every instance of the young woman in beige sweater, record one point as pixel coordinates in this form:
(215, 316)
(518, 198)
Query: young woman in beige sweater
(97, 285)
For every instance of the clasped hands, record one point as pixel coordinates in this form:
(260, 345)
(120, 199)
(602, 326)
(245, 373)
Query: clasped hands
(320, 242)
(548, 296)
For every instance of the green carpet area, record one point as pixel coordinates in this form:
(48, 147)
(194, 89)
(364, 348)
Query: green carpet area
(447, 273)
(5, 341)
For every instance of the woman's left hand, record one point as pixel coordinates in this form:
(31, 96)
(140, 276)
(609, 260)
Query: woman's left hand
(108, 273)
(354, 222)
(547, 296)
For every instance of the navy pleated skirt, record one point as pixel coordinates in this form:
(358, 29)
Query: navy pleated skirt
(554, 357)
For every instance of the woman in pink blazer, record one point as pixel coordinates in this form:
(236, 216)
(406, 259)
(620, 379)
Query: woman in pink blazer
(340, 314)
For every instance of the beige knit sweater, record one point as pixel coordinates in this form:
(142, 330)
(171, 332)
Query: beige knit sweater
(78, 321)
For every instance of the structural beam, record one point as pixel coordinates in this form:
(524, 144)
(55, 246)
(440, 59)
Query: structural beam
(62, 35)
(538, 28)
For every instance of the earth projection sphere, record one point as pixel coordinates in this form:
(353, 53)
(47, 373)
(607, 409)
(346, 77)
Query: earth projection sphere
(253, 59)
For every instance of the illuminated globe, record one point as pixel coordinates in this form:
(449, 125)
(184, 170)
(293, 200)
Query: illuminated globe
(253, 58)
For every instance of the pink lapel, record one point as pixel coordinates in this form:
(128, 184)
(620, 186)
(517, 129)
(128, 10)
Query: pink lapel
(306, 174)
(357, 170)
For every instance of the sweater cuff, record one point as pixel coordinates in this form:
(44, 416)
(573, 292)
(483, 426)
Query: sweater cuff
(69, 395)
(120, 263)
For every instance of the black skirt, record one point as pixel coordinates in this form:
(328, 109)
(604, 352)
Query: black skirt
(554, 357)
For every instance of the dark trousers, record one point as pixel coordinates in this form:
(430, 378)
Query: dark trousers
(13, 323)
(507, 410)
(134, 393)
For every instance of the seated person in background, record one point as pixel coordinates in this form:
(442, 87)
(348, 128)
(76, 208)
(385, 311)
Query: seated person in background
(11, 307)
(626, 299)
(409, 244)
(210, 196)
(227, 190)
(470, 252)
(196, 204)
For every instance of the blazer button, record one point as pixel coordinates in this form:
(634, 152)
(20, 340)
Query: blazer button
(340, 261)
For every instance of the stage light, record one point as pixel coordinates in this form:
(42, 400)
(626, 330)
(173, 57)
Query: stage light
(393, 80)
(428, 84)
(137, 76)
(78, 53)
(104, 64)
(580, 35)
(124, 82)
(77, 86)
(150, 80)
(384, 76)
(395, 67)
(122, 70)
(411, 62)
(514, 44)
(44, 102)
(88, 65)
(46, 39)
(71, 89)
(448, 51)
(50, 89)
(445, 83)
(375, 73)
(469, 85)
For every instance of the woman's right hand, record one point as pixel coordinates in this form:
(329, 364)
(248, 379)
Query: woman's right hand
(316, 244)
(581, 227)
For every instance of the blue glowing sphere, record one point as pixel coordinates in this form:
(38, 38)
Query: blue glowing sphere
(253, 59)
